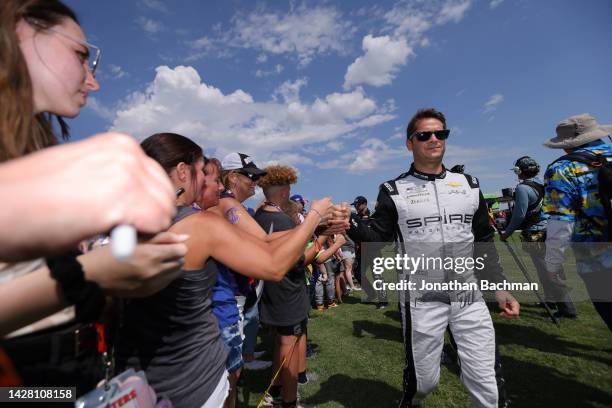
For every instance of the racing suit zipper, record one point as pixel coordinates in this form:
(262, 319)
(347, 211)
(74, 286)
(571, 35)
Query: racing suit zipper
(439, 212)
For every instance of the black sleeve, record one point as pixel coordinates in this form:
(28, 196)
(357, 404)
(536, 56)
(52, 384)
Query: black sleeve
(381, 226)
(484, 245)
(481, 227)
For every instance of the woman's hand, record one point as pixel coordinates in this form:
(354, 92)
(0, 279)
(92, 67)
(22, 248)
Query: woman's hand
(54, 198)
(323, 207)
(151, 268)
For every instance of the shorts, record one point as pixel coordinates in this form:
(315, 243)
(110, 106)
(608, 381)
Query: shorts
(348, 254)
(233, 345)
(220, 393)
(293, 330)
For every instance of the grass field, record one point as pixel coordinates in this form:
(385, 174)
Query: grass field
(360, 360)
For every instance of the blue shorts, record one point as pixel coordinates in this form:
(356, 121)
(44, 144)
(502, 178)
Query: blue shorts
(233, 346)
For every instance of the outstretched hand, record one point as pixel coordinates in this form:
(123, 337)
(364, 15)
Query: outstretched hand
(510, 307)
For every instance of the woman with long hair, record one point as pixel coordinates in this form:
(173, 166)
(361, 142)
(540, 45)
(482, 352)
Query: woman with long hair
(173, 334)
(87, 187)
(57, 196)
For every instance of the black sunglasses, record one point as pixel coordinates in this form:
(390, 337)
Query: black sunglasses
(425, 136)
(253, 177)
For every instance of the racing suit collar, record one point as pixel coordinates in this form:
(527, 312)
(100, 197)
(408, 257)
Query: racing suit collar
(426, 176)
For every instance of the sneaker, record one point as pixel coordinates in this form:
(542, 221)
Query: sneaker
(257, 365)
(309, 377)
(258, 354)
(310, 351)
(272, 402)
(356, 289)
(320, 308)
(331, 305)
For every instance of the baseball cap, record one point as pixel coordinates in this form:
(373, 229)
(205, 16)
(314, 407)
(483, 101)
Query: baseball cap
(241, 161)
(359, 200)
(298, 199)
(524, 164)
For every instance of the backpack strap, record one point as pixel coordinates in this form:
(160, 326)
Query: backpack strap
(588, 158)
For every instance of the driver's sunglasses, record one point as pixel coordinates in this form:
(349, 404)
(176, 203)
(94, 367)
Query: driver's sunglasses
(252, 177)
(425, 136)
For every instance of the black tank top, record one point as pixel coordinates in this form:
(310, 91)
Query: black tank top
(174, 337)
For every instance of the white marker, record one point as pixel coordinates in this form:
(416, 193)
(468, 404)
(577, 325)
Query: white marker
(123, 241)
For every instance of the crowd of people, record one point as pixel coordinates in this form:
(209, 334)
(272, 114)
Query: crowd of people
(208, 273)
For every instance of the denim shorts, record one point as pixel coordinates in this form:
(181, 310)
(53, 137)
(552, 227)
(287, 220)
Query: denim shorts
(233, 345)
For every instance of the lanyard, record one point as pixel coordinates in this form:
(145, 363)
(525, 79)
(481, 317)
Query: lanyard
(273, 205)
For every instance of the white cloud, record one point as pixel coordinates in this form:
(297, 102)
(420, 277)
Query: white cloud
(380, 63)
(453, 10)
(372, 154)
(397, 136)
(156, 5)
(278, 68)
(201, 43)
(494, 3)
(290, 90)
(148, 25)
(99, 109)
(303, 31)
(292, 159)
(178, 100)
(261, 58)
(493, 102)
(407, 22)
(117, 71)
(334, 146)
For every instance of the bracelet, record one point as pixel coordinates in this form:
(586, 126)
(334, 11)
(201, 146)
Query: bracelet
(86, 296)
(320, 216)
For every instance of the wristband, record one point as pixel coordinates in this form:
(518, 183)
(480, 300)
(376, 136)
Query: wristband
(318, 213)
(86, 296)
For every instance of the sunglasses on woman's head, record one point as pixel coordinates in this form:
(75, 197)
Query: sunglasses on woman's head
(426, 135)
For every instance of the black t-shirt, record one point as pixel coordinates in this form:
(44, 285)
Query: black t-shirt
(283, 303)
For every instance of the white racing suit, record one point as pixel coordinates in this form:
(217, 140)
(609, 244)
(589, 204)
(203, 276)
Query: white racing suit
(447, 208)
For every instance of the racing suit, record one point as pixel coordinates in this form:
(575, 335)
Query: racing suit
(445, 208)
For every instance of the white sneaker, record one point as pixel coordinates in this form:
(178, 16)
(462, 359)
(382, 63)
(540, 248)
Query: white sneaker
(257, 365)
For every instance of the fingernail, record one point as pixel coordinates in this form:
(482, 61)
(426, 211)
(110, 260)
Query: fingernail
(183, 237)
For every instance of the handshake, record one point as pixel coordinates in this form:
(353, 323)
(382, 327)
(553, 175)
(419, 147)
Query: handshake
(334, 217)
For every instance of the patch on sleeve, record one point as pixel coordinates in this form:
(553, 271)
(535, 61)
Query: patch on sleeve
(389, 187)
(472, 181)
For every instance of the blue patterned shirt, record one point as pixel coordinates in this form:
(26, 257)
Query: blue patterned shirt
(571, 194)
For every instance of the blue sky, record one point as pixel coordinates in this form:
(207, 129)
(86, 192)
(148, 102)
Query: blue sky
(329, 86)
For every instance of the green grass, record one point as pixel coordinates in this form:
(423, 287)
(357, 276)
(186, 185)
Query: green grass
(361, 355)
(360, 360)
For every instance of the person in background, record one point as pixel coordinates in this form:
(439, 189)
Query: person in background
(348, 257)
(575, 209)
(528, 217)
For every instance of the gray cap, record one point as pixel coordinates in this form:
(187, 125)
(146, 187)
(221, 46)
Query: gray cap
(576, 131)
